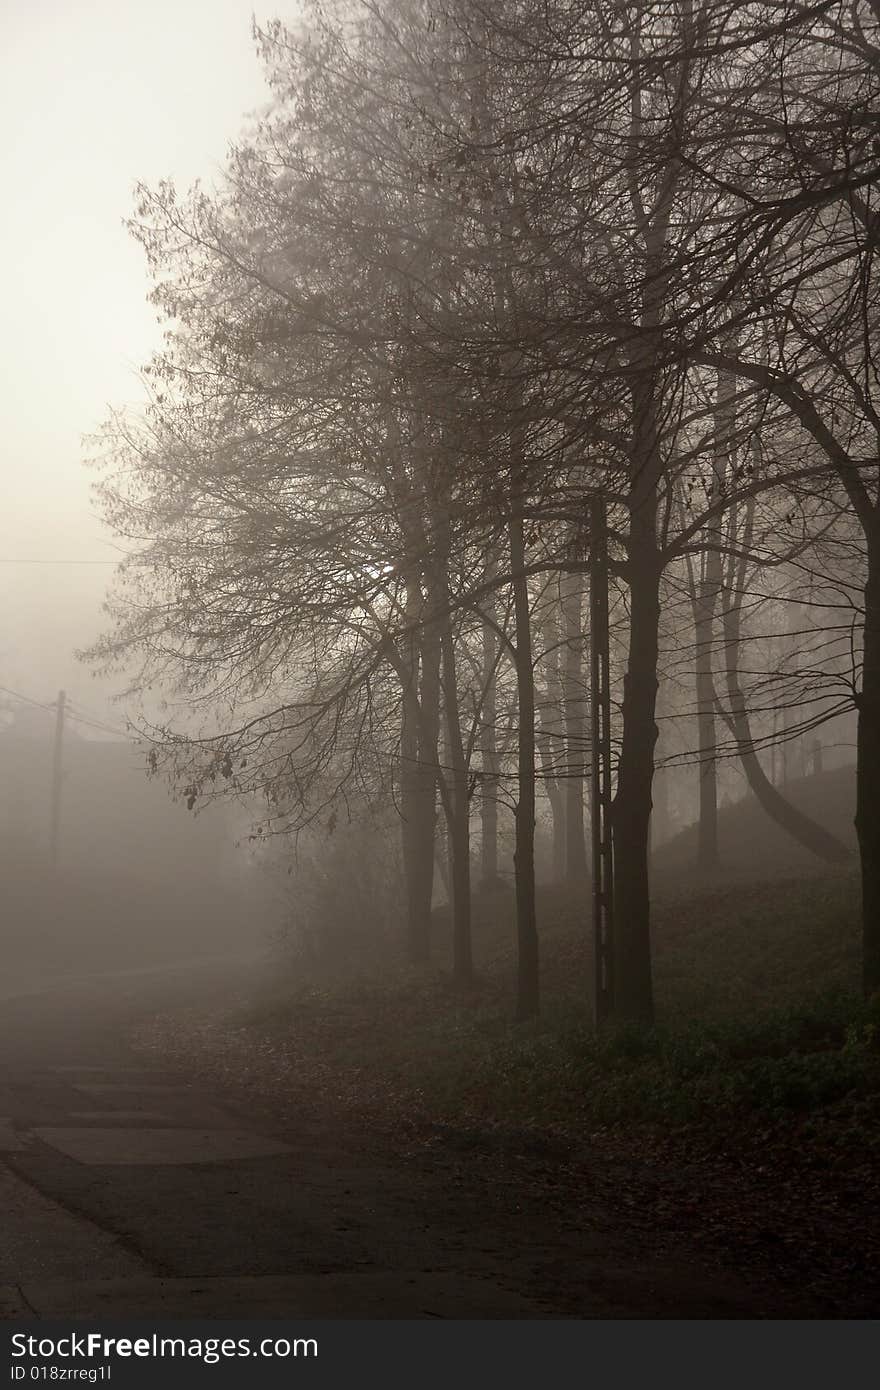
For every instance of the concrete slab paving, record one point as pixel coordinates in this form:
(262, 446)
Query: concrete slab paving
(41, 1240)
(12, 1305)
(11, 1140)
(98, 1145)
(179, 1102)
(374, 1294)
(107, 1069)
(121, 1117)
(145, 1088)
(127, 1073)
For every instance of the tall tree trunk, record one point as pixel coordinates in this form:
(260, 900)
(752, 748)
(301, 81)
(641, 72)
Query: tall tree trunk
(708, 822)
(631, 812)
(631, 815)
(414, 827)
(528, 987)
(705, 603)
(556, 800)
(573, 690)
(868, 771)
(552, 737)
(458, 821)
(426, 771)
(550, 741)
(419, 672)
(705, 600)
(489, 749)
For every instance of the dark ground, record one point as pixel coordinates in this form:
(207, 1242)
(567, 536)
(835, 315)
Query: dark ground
(341, 1222)
(773, 1219)
(225, 1140)
(108, 1209)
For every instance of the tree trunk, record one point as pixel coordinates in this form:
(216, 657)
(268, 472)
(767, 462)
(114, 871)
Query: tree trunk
(458, 821)
(556, 800)
(573, 690)
(426, 771)
(708, 590)
(631, 815)
(551, 744)
(631, 811)
(489, 751)
(528, 989)
(417, 825)
(868, 773)
(704, 632)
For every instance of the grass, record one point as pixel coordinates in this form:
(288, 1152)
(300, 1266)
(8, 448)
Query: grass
(561, 1076)
(744, 1128)
(758, 1019)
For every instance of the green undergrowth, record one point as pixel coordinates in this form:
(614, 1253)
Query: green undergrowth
(758, 1018)
(559, 1073)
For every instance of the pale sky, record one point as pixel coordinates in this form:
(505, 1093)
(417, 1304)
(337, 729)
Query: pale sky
(94, 95)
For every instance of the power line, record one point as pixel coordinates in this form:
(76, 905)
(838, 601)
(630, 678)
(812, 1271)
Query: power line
(89, 716)
(80, 719)
(17, 695)
(96, 724)
(88, 711)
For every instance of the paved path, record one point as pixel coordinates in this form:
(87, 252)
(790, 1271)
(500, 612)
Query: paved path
(126, 1191)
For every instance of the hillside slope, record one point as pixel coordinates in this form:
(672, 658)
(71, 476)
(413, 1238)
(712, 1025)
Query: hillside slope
(753, 845)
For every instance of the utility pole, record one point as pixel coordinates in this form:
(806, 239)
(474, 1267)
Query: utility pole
(600, 780)
(55, 821)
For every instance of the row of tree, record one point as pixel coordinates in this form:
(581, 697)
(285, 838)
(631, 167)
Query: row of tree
(474, 269)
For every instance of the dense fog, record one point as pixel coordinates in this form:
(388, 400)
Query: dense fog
(440, 681)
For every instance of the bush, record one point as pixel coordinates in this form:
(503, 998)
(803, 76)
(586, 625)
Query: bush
(341, 897)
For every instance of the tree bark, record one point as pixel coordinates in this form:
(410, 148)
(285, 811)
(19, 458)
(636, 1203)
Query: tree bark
(458, 821)
(417, 831)
(528, 987)
(426, 771)
(576, 865)
(489, 750)
(550, 740)
(631, 813)
(868, 771)
(556, 800)
(707, 839)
